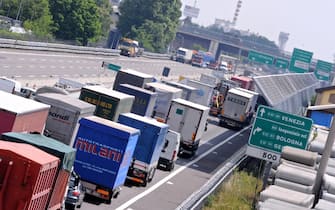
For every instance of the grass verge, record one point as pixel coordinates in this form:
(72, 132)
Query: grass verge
(238, 193)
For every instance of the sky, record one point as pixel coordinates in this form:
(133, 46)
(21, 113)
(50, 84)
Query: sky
(310, 23)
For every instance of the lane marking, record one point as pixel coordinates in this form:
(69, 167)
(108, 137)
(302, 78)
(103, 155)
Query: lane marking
(174, 173)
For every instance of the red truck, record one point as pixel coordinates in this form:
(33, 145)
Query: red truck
(244, 82)
(26, 176)
(21, 114)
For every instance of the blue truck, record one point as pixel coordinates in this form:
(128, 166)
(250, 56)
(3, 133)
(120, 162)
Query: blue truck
(144, 102)
(150, 143)
(104, 152)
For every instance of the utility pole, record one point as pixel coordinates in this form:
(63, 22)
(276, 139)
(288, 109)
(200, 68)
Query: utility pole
(324, 161)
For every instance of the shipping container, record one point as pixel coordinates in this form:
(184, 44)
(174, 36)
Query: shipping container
(104, 152)
(21, 114)
(27, 175)
(65, 153)
(166, 94)
(190, 120)
(109, 103)
(148, 148)
(204, 93)
(188, 91)
(145, 100)
(64, 114)
(132, 77)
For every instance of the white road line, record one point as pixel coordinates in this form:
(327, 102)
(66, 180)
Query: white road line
(174, 173)
(51, 55)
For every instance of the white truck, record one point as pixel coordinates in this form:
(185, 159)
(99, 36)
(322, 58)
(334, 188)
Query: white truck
(184, 55)
(190, 120)
(238, 108)
(203, 94)
(10, 85)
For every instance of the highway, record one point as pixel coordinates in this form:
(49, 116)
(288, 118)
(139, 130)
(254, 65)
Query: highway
(168, 190)
(47, 67)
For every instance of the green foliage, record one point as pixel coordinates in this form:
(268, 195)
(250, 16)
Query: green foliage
(77, 20)
(198, 47)
(105, 11)
(152, 22)
(34, 14)
(237, 193)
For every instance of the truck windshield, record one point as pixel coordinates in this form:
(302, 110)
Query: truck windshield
(181, 52)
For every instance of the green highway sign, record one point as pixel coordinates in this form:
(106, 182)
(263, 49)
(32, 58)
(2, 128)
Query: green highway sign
(300, 61)
(281, 63)
(111, 66)
(260, 57)
(273, 129)
(323, 69)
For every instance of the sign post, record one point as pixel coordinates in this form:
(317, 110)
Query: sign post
(111, 66)
(274, 129)
(300, 61)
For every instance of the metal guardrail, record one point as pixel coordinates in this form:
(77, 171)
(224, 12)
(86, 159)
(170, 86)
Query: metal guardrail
(43, 46)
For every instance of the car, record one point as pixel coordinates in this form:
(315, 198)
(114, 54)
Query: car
(75, 194)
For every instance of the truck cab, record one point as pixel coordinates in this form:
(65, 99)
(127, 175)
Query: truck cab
(129, 47)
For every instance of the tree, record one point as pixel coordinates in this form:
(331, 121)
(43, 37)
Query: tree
(77, 20)
(152, 22)
(34, 14)
(105, 10)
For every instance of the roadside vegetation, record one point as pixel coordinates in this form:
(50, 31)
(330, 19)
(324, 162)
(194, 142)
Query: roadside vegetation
(237, 193)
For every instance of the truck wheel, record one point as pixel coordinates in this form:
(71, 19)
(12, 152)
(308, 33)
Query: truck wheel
(145, 182)
(171, 166)
(151, 174)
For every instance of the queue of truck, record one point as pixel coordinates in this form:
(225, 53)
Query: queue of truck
(204, 59)
(106, 136)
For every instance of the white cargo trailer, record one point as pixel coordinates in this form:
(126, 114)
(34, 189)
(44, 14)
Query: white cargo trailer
(64, 115)
(238, 107)
(203, 94)
(165, 95)
(189, 119)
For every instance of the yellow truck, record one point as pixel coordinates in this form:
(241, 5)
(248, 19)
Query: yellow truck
(129, 47)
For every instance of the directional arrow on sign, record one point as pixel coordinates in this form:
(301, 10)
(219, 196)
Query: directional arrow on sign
(258, 129)
(262, 111)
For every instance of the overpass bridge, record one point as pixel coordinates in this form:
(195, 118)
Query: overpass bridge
(218, 43)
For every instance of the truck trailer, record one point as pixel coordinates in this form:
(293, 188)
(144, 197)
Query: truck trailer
(150, 143)
(238, 108)
(145, 100)
(27, 175)
(189, 119)
(109, 103)
(66, 155)
(21, 114)
(104, 152)
(165, 94)
(132, 77)
(64, 114)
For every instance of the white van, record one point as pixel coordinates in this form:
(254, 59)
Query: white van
(169, 151)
